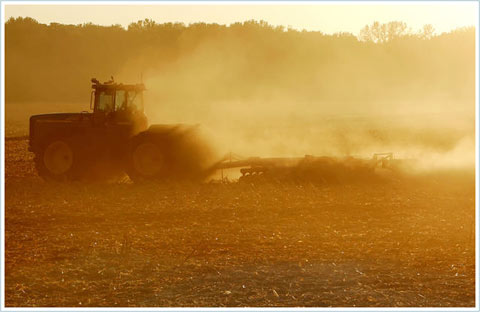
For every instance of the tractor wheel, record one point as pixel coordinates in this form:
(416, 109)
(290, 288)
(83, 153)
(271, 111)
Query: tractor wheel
(175, 155)
(58, 160)
(147, 160)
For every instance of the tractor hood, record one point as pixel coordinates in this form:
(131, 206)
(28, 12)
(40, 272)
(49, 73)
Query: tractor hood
(55, 118)
(59, 116)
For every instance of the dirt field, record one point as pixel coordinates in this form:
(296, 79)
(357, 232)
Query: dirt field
(402, 243)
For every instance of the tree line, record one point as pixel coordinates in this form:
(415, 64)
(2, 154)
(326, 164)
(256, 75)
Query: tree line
(210, 62)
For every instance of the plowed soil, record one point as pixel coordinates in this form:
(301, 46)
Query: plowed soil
(405, 242)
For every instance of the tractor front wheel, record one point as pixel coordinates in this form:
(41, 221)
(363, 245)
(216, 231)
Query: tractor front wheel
(58, 160)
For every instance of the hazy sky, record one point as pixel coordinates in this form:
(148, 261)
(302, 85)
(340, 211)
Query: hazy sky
(326, 17)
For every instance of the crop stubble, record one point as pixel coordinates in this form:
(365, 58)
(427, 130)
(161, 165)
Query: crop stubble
(405, 242)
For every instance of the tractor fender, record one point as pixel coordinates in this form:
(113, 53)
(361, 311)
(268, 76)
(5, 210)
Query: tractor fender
(171, 128)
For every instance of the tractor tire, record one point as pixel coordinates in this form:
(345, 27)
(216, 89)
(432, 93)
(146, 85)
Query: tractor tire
(147, 160)
(177, 155)
(59, 159)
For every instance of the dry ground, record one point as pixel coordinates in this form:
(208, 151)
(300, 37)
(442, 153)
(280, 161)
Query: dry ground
(402, 243)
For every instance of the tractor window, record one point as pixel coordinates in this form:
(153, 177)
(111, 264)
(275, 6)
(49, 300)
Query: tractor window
(105, 101)
(120, 100)
(135, 100)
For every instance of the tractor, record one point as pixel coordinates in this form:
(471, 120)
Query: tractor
(114, 137)
(115, 134)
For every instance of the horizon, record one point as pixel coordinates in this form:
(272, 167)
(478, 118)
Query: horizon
(322, 17)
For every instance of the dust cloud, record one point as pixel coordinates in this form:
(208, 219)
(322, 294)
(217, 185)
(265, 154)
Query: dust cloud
(437, 131)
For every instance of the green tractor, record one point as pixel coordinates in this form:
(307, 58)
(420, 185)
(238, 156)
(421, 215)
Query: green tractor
(115, 135)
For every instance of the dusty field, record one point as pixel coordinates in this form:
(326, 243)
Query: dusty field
(402, 243)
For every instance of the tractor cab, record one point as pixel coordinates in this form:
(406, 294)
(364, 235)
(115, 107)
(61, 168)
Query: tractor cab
(114, 103)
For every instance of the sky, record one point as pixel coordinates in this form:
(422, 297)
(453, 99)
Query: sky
(327, 17)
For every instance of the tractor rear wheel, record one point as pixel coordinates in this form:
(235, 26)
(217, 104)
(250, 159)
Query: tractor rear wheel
(175, 154)
(147, 160)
